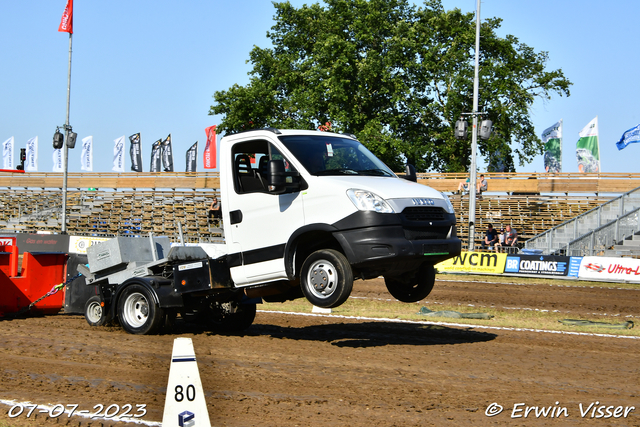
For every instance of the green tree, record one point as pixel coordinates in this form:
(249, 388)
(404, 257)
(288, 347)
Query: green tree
(395, 75)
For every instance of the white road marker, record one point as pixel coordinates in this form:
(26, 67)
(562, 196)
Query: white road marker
(185, 405)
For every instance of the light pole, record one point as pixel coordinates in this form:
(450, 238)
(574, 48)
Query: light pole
(474, 138)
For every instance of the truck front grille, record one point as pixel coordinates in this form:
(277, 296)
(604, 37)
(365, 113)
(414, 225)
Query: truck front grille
(423, 213)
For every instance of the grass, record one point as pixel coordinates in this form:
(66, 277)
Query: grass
(506, 318)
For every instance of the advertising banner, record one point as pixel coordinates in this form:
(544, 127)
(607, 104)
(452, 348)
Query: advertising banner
(42, 242)
(552, 139)
(156, 156)
(31, 162)
(135, 151)
(192, 156)
(118, 155)
(79, 244)
(210, 148)
(167, 155)
(7, 153)
(611, 269)
(474, 262)
(588, 148)
(86, 156)
(537, 265)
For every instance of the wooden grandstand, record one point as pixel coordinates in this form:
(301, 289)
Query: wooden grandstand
(110, 204)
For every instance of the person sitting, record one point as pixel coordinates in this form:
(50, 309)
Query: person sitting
(510, 240)
(482, 184)
(463, 186)
(214, 209)
(490, 238)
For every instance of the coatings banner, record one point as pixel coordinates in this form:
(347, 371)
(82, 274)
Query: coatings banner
(537, 265)
(86, 157)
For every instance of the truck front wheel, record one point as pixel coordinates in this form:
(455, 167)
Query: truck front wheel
(137, 311)
(326, 278)
(414, 286)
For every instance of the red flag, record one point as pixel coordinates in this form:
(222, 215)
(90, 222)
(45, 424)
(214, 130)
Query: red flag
(210, 148)
(66, 23)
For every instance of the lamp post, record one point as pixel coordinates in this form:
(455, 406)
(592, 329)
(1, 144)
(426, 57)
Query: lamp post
(474, 138)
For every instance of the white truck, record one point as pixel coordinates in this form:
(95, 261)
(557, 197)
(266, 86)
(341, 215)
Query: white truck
(304, 213)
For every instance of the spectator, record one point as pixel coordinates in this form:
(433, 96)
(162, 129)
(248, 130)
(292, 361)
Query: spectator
(214, 209)
(482, 184)
(490, 238)
(510, 240)
(463, 186)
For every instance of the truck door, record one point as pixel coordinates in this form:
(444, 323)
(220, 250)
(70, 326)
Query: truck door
(260, 222)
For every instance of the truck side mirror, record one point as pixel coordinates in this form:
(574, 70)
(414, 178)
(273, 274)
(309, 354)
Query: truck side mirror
(276, 177)
(410, 173)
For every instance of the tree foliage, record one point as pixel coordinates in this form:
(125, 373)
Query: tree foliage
(395, 75)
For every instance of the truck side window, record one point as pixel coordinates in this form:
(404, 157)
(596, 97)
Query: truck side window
(250, 163)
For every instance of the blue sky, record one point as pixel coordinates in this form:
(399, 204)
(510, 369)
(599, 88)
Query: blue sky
(153, 66)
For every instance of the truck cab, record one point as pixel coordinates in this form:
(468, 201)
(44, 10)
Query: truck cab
(307, 212)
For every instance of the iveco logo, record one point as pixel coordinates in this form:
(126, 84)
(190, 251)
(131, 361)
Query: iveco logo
(423, 202)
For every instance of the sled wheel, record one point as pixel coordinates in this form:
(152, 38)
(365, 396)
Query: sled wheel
(96, 313)
(137, 311)
(326, 278)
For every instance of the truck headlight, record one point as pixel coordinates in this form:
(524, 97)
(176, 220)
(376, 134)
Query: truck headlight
(368, 201)
(448, 204)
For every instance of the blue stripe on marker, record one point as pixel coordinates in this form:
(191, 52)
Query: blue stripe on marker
(184, 359)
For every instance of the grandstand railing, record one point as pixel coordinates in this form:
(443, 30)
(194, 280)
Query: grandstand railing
(605, 236)
(512, 182)
(557, 239)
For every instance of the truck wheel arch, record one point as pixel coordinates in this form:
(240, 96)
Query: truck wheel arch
(306, 240)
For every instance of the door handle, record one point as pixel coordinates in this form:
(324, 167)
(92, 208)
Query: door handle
(235, 216)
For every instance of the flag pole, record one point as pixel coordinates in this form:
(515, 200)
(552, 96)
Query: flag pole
(65, 151)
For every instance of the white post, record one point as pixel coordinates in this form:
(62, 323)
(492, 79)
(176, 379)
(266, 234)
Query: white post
(474, 138)
(65, 150)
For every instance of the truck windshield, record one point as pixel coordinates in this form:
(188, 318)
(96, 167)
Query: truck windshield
(325, 155)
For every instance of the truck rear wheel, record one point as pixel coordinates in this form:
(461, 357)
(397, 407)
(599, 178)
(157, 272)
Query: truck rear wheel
(96, 313)
(414, 287)
(326, 278)
(137, 311)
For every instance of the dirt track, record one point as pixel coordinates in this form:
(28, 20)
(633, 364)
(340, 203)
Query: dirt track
(290, 370)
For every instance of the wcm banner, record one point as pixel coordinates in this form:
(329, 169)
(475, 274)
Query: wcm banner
(499, 263)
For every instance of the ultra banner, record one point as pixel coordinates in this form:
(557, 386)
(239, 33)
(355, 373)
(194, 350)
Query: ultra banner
(474, 262)
(612, 269)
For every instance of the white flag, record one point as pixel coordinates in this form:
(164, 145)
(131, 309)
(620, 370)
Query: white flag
(86, 158)
(118, 155)
(57, 160)
(7, 153)
(31, 162)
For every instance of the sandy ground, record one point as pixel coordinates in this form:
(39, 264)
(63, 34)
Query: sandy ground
(289, 370)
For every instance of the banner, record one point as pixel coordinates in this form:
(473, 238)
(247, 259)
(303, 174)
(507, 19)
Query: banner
(31, 162)
(7, 153)
(156, 156)
(610, 269)
(477, 262)
(587, 148)
(66, 23)
(118, 155)
(210, 148)
(86, 156)
(537, 265)
(136, 152)
(552, 139)
(167, 155)
(57, 160)
(629, 137)
(192, 158)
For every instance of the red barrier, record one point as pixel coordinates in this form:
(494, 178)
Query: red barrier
(40, 272)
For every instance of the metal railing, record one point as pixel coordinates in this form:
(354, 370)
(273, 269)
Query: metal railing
(557, 239)
(604, 237)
